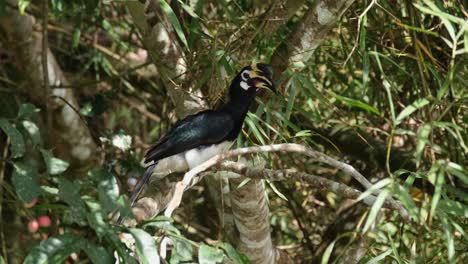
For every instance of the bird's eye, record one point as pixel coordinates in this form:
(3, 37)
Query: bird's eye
(245, 75)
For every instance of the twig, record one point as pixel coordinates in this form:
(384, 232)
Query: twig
(140, 107)
(191, 178)
(72, 107)
(45, 63)
(356, 41)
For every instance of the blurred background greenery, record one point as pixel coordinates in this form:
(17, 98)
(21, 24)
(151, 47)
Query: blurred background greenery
(385, 91)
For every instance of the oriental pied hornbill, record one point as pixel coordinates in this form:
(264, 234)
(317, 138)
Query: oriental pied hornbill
(201, 136)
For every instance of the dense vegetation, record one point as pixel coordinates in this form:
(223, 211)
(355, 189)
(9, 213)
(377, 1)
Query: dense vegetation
(380, 85)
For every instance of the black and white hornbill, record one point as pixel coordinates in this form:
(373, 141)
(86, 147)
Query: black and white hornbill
(201, 136)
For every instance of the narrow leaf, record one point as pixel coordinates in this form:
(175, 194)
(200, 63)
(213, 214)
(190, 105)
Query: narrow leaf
(327, 253)
(411, 108)
(166, 8)
(375, 209)
(356, 103)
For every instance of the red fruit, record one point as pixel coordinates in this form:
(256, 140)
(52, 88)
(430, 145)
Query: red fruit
(30, 204)
(44, 221)
(44, 236)
(33, 226)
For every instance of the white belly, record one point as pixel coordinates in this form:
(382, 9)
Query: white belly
(189, 159)
(195, 157)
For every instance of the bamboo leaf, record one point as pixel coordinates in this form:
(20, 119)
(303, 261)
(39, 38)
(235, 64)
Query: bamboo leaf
(375, 209)
(357, 103)
(166, 8)
(411, 109)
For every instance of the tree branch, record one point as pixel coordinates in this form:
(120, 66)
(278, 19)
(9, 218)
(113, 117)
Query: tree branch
(308, 34)
(191, 177)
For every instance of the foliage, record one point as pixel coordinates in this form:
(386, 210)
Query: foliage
(396, 110)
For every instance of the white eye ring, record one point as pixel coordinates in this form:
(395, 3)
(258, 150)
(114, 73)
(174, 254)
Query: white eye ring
(244, 74)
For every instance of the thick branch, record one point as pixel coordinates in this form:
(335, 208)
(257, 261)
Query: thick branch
(161, 43)
(308, 34)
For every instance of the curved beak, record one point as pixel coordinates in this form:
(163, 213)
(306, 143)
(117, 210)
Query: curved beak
(262, 75)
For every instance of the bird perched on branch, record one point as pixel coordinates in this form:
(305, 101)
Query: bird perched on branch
(201, 136)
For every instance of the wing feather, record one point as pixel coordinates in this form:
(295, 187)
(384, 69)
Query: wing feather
(205, 128)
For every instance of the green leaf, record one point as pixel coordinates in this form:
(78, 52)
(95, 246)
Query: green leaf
(182, 251)
(145, 246)
(379, 258)
(108, 189)
(291, 97)
(124, 206)
(244, 182)
(57, 249)
(403, 195)
(273, 187)
(188, 9)
(449, 236)
(458, 171)
(33, 132)
(376, 186)
(411, 108)
(76, 36)
(252, 125)
(70, 193)
(22, 5)
(356, 103)
(54, 250)
(122, 141)
(25, 180)
(209, 255)
(454, 208)
(54, 165)
(97, 254)
(233, 254)
(96, 218)
(162, 224)
(423, 136)
(327, 253)
(16, 139)
(27, 110)
(166, 8)
(439, 182)
(375, 209)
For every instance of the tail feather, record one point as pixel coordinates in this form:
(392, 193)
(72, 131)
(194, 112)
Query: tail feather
(141, 183)
(139, 187)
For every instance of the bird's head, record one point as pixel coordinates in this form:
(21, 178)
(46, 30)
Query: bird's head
(253, 77)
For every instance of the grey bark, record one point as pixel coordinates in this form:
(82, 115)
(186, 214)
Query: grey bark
(308, 34)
